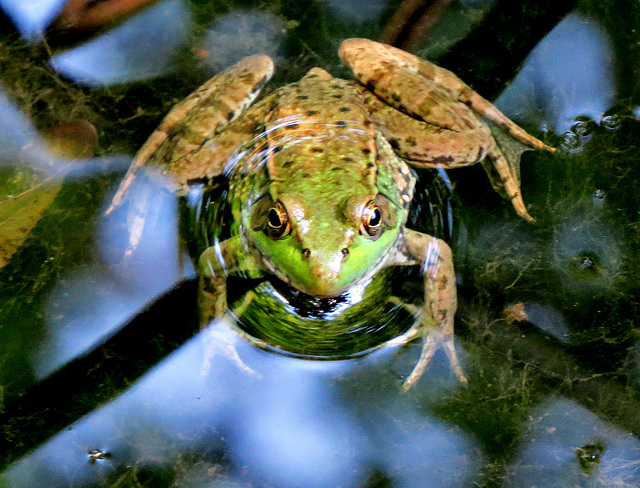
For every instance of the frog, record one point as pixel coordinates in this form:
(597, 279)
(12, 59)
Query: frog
(321, 176)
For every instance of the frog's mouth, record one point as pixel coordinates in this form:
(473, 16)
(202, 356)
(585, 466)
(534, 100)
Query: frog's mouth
(321, 281)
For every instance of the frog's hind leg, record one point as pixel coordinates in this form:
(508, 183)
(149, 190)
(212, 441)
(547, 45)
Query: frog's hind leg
(505, 181)
(432, 118)
(425, 145)
(198, 118)
(392, 72)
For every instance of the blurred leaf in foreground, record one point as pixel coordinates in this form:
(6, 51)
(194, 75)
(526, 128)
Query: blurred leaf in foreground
(20, 213)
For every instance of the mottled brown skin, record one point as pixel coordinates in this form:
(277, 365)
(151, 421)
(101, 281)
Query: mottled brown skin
(447, 113)
(182, 145)
(334, 149)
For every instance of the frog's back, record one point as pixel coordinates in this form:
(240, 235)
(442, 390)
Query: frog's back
(322, 133)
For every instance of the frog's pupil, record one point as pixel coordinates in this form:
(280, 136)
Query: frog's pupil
(274, 218)
(374, 221)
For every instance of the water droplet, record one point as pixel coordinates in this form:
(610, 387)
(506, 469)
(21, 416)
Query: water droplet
(610, 122)
(587, 254)
(570, 140)
(586, 264)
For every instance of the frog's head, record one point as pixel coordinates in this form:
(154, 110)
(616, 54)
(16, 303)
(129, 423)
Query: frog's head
(323, 246)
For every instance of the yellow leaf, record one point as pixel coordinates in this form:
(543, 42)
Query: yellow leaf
(20, 213)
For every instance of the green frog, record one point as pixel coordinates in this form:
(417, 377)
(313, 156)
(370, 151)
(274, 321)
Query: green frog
(321, 180)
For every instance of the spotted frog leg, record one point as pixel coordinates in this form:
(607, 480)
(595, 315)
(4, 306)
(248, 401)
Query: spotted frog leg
(432, 118)
(190, 143)
(434, 320)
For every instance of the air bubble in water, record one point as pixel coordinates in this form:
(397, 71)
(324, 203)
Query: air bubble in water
(599, 198)
(570, 140)
(610, 122)
(582, 127)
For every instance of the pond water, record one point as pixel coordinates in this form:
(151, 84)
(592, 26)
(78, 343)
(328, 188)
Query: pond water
(107, 378)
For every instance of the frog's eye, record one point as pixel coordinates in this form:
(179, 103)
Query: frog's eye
(278, 224)
(371, 223)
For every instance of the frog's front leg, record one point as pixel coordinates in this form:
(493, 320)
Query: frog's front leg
(212, 282)
(216, 263)
(440, 302)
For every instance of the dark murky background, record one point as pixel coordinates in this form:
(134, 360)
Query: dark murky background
(106, 378)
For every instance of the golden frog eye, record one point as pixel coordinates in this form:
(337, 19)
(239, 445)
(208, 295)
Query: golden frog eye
(371, 224)
(278, 224)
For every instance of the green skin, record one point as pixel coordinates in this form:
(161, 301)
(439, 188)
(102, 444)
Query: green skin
(320, 198)
(339, 253)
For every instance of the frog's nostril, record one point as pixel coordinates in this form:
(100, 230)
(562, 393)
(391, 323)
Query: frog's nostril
(306, 252)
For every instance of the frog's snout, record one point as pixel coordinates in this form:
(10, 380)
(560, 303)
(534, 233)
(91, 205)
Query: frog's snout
(324, 273)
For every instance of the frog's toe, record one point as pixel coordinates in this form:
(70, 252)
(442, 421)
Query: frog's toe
(521, 210)
(504, 177)
(431, 344)
(429, 348)
(525, 215)
(220, 340)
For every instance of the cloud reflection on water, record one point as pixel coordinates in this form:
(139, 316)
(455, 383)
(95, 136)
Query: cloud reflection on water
(90, 303)
(294, 427)
(356, 12)
(31, 17)
(550, 453)
(147, 45)
(243, 33)
(548, 319)
(568, 74)
(19, 140)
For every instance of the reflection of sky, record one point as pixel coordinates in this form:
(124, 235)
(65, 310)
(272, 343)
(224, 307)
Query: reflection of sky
(23, 148)
(92, 302)
(294, 426)
(548, 454)
(146, 45)
(548, 319)
(569, 73)
(32, 17)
